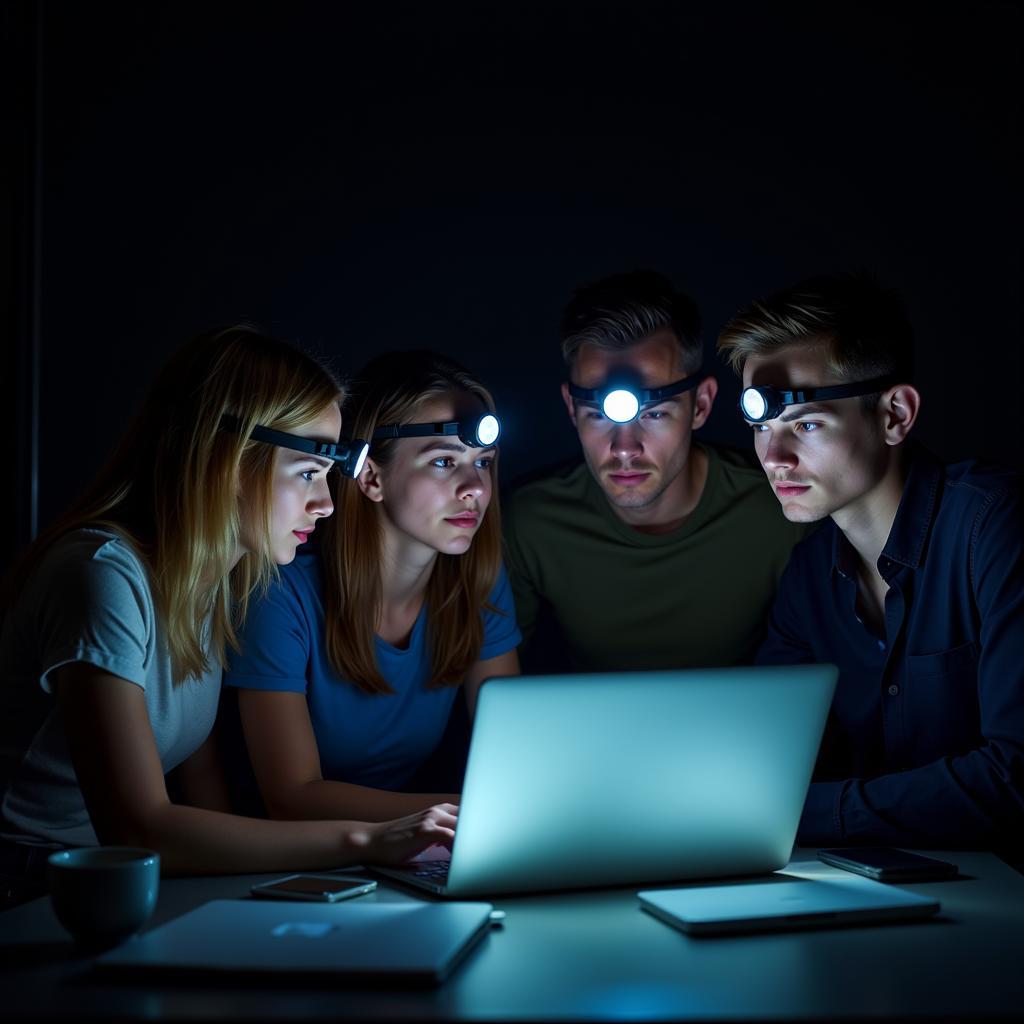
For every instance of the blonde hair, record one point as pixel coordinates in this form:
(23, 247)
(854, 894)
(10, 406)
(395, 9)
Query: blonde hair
(391, 390)
(171, 488)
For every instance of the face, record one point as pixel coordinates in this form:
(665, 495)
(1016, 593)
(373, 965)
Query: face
(435, 491)
(300, 495)
(822, 458)
(640, 464)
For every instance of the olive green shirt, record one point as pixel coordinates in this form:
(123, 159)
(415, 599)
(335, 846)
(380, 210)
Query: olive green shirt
(594, 594)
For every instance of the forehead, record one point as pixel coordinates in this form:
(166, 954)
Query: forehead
(446, 408)
(326, 427)
(655, 360)
(792, 366)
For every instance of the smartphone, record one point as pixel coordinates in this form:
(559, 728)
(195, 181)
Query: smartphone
(322, 888)
(887, 865)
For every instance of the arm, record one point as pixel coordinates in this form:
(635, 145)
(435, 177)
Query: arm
(119, 771)
(199, 780)
(286, 762)
(975, 797)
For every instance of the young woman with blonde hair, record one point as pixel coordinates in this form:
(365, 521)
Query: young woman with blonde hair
(120, 616)
(351, 664)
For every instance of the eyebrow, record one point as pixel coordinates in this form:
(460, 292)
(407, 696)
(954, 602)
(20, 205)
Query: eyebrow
(807, 409)
(315, 459)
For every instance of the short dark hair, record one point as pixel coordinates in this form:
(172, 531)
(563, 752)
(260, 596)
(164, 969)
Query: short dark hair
(863, 325)
(620, 310)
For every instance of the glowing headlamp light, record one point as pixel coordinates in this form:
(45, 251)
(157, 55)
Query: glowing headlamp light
(765, 403)
(348, 455)
(621, 400)
(482, 432)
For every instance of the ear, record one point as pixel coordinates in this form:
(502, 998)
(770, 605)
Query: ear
(370, 482)
(570, 407)
(703, 400)
(898, 409)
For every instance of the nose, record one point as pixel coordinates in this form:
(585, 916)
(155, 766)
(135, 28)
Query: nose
(625, 441)
(320, 503)
(776, 452)
(471, 484)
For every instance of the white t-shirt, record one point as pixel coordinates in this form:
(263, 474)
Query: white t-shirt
(88, 600)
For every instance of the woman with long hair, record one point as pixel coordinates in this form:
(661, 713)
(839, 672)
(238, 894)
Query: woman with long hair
(118, 618)
(350, 665)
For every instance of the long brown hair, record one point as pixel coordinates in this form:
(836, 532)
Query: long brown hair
(391, 390)
(171, 488)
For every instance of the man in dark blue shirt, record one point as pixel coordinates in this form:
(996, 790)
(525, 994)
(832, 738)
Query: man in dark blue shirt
(914, 585)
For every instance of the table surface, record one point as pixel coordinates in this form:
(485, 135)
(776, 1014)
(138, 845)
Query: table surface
(590, 955)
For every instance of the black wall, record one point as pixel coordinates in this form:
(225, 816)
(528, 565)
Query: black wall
(366, 176)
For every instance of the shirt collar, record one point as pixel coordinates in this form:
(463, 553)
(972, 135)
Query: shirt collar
(905, 545)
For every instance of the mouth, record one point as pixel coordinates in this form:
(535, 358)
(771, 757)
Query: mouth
(464, 521)
(787, 489)
(303, 535)
(628, 478)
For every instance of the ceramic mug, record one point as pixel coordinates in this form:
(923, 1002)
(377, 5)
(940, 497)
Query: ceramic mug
(103, 894)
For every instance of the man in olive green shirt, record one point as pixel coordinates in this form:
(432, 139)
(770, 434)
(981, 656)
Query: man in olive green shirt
(657, 551)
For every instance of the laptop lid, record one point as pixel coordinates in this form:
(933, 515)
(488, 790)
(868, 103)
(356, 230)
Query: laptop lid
(585, 780)
(414, 941)
(784, 903)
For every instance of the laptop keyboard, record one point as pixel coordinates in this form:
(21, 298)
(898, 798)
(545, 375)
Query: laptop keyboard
(434, 871)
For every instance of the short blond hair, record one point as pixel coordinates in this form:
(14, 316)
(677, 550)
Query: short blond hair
(861, 326)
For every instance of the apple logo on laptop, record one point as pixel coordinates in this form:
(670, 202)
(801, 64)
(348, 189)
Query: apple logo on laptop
(303, 929)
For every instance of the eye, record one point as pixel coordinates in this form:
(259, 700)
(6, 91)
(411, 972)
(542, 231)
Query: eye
(443, 462)
(485, 462)
(309, 475)
(807, 427)
(758, 428)
(594, 414)
(655, 414)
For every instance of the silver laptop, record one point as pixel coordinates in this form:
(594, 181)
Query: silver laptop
(784, 902)
(610, 779)
(413, 941)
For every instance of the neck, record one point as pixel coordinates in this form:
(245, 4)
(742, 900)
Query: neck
(405, 568)
(675, 504)
(867, 522)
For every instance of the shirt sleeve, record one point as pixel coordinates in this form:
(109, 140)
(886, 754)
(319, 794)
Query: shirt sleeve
(501, 634)
(98, 610)
(275, 643)
(972, 798)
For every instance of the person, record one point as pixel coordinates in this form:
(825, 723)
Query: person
(657, 550)
(914, 586)
(120, 615)
(350, 666)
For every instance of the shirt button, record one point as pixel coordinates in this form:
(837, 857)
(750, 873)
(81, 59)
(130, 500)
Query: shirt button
(893, 690)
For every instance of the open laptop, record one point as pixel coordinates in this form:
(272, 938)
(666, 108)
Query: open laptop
(413, 942)
(627, 777)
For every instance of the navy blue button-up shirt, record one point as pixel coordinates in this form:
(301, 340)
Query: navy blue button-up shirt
(925, 740)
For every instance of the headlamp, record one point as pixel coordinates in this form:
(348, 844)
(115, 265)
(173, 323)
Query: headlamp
(765, 403)
(482, 432)
(349, 454)
(621, 398)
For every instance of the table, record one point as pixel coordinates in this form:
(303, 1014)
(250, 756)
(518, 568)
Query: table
(590, 955)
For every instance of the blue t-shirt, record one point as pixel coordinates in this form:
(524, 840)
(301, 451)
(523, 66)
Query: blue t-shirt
(368, 739)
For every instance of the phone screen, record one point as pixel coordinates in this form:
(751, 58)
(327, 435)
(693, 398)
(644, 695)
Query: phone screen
(313, 885)
(316, 886)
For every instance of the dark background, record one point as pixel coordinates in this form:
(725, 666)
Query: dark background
(359, 177)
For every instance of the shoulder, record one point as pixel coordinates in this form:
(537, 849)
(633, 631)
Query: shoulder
(564, 482)
(982, 484)
(96, 564)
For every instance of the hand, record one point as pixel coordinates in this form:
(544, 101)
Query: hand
(395, 842)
